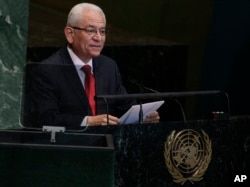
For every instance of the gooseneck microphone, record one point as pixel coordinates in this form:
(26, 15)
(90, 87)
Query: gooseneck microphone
(142, 88)
(141, 110)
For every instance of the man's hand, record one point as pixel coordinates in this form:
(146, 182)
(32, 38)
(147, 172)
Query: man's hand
(153, 117)
(102, 120)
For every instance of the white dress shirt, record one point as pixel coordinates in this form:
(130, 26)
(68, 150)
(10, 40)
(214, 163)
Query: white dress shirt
(78, 65)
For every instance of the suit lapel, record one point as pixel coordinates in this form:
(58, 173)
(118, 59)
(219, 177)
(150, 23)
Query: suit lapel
(72, 78)
(98, 75)
(98, 72)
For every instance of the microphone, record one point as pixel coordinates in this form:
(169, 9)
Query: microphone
(142, 87)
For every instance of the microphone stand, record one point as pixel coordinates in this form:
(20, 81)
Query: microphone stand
(141, 110)
(107, 110)
(107, 107)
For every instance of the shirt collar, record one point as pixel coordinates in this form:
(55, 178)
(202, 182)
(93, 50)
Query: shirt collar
(77, 61)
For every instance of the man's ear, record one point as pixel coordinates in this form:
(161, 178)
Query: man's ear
(69, 34)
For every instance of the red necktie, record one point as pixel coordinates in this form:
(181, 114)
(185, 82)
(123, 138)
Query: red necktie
(90, 87)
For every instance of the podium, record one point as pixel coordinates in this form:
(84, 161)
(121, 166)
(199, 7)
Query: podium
(29, 159)
(140, 148)
(125, 155)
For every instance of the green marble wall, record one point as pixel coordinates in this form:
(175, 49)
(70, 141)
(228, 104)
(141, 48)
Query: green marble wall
(13, 44)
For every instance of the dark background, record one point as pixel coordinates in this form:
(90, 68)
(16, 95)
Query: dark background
(195, 45)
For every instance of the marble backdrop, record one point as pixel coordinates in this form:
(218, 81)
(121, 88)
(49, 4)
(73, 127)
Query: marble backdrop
(13, 45)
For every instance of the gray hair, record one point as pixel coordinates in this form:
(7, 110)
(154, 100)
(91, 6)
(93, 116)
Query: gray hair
(75, 18)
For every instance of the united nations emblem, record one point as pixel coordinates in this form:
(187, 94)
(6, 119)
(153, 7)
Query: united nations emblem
(187, 155)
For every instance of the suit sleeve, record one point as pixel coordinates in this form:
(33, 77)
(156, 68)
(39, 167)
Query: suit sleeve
(46, 96)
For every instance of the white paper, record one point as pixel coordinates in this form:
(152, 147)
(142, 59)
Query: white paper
(132, 115)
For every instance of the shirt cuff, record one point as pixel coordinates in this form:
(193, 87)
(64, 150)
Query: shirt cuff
(84, 122)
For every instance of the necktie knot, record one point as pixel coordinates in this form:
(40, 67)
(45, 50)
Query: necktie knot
(86, 69)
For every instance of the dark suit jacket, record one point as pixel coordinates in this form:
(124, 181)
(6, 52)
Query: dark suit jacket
(56, 96)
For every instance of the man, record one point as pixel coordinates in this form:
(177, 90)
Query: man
(60, 95)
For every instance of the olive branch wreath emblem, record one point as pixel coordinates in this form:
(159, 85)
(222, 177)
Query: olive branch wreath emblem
(197, 174)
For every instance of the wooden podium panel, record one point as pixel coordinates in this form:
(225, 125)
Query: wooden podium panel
(29, 159)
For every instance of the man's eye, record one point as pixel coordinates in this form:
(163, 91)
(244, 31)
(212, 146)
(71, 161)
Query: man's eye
(90, 31)
(103, 31)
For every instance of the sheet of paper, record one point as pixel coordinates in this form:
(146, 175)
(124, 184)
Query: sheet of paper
(132, 115)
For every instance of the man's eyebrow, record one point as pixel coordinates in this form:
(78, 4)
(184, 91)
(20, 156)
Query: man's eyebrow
(92, 26)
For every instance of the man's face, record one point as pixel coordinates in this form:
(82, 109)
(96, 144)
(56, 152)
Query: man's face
(89, 41)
